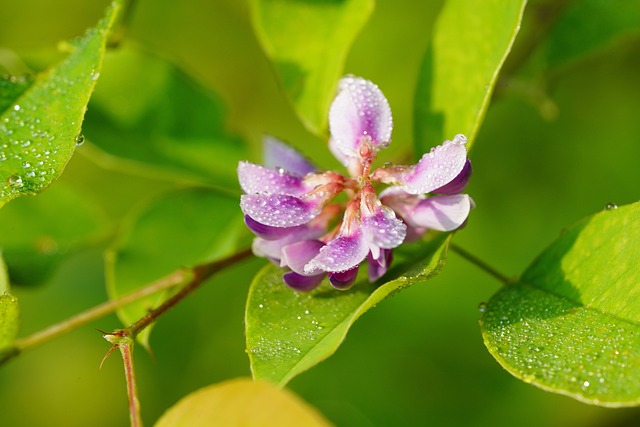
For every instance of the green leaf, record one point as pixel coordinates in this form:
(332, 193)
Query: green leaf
(8, 311)
(288, 332)
(180, 229)
(572, 323)
(149, 113)
(588, 26)
(460, 68)
(307, 42)
(241, 402)
(37, 233)
(40, 119)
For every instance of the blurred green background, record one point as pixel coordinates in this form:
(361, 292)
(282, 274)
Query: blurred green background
(542, 160)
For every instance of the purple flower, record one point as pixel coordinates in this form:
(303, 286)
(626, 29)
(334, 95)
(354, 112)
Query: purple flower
(288, 202)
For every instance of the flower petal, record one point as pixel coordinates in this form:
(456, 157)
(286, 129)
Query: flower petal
(383, 229)
(277, 154)
(359, 110)
(343, 280)
(302, 283)
(297, 255)
(443, 213)
(378, 267)
(340, 254)
(258, 179)
(278, 210)
(266, 232)
(434, 170)
(273, 248)
(459, 182)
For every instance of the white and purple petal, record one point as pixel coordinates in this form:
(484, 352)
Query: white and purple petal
(298, 254)
(279, 210)
(273, 248)
(258, 179)
(434, 170)
(443, 213)
(378, 267)
(341, 254)
(458, 184)
(383, 229)
(300, 282)
(277, 154)
(359, 110)
(267, 232)
(344, 279)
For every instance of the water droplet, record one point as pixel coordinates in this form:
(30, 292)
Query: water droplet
(482, 307)
(79, 140)
(611, 206)
(26, 165)
(15, 181)
(16, 107)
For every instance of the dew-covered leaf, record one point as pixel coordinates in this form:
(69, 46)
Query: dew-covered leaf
(470, 43)
(588, 26)
(37, 233)
(572, 323)
(308, 42)
(179, 229)
(242, 402)
(40, 118)
(8, 311)
(288, 332)
(157, 119)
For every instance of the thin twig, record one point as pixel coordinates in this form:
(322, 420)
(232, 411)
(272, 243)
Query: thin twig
(94, 313)
(200, 275)
(481, 264)
(126, 349)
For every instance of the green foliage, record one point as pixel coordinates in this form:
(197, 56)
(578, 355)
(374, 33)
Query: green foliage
(41, 119)
(307, 42)
(149, 113)
(288, 332)
(37, 233)
(199, 225)
(571, 324)
(241, 402)
(460, 68)
(589, 26)
(9, 312)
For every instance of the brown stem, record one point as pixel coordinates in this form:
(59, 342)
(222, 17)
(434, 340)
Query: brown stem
(200, 274)
(126, 350)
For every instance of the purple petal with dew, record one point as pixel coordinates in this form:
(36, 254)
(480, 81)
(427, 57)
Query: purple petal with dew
(302, 283)
(340, 254)
(273, 248)
(378, 267)
(297, 255)
(434, 170)
(266, 232)
(345, 279)
(383, 229)
(258, 179)
(359, 110)
(278, 210)
(277, 154)
(443, 213)
(458, 183)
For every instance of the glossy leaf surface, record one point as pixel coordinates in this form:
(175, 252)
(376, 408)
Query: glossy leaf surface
(288, 332)
(470, 43)
(40, 119)
(571, 325)
(308, 42)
